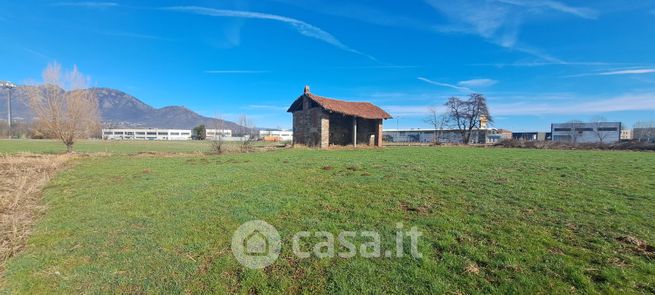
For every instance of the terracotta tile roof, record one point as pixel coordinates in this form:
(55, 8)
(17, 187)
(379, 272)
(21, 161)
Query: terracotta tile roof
(364, 110)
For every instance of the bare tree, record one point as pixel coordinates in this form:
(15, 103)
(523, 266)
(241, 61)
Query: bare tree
(465, 115)
(248, 131)
(218, 141)
(63, 106)
(597, 125)
(438, 121)
(575, 130)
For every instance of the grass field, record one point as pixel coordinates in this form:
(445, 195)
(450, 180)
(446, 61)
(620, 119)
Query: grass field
(493, 221)
(41, 146)
(105, 146)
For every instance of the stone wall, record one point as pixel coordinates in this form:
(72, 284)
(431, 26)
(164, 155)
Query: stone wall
(311, 125)
(378, 132)
(315, 127)
(325, 130)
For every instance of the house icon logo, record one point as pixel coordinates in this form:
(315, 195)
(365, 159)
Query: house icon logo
(256, 244)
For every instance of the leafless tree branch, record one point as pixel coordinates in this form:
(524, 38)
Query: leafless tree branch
(63, 106)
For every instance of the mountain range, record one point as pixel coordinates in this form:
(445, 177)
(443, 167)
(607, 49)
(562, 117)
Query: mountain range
(119, 109)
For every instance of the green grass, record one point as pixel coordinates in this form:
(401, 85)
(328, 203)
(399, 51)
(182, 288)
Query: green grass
(42, 146)
(531, 221)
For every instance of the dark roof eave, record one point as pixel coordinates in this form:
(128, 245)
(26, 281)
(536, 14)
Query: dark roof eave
(294, 105)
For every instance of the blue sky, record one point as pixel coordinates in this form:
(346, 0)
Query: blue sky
(536, 61)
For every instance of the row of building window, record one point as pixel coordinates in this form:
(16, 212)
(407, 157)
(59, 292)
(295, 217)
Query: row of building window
(146, 133)
(609, 129)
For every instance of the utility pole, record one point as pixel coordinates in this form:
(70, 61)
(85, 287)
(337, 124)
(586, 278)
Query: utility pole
(9, 86)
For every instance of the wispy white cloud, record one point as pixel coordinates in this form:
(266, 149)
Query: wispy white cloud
(554, 5)
(87, 4)
(399, 111)
(575, 105)
(628, 72)
(625, 102)
(505, 19)
(265, 107)
(395, 97)
(477, 83)
(533, 97)
(135, 35)
(302, 27)
(460, 88)
(500, 21)
(524, 63)
(397, 67)
(37, 53)
(358, 11)
(486, 19)
(543, 57)
(618, 72)
(230, 33)
(235, 72)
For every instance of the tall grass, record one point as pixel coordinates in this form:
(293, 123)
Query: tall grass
(21, 179)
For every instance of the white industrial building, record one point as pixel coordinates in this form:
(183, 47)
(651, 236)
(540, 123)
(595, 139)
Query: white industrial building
(213, 134)
(575, 132)
(279, 135)
(166, 134)
(146, 134)
(478, 136)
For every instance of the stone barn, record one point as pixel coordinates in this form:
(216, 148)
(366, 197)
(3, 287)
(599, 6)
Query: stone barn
(320, 121)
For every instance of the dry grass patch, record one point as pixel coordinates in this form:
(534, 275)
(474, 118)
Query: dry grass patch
(21, 179)
(472, 268)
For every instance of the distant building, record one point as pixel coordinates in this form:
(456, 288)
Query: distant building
(626, 134)
(532, 136)
(276, 135)
(478, 136)
(320, 122)
(504, 134)
(146, 134)
(213, 134)
(574, 132)
(484, 122)
(644, 132)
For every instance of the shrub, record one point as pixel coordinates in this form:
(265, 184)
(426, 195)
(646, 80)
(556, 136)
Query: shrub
(624, 145)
